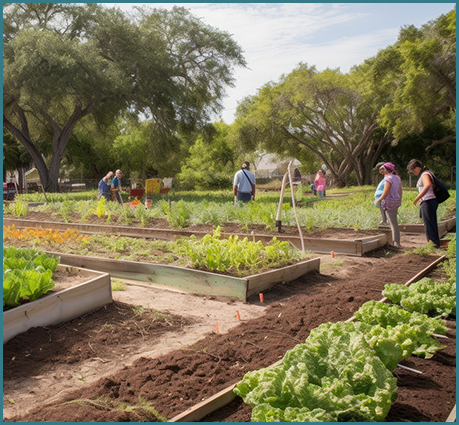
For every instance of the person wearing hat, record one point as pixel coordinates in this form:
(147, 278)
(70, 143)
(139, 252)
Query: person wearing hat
(116, 186)
(244, 184)
(391, 198)
(379, 191)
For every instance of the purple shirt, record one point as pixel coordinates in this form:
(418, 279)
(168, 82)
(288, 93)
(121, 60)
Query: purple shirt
(396, 183)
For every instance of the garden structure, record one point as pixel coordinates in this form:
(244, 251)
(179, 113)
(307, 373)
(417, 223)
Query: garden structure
(126, 363)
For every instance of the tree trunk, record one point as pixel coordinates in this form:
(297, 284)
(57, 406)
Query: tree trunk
(49, 178)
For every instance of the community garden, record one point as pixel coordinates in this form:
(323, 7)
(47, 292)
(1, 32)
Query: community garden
(367, 337)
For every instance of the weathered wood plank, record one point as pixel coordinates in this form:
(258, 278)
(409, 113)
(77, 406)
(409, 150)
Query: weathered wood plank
(452, 415)
(443, 227)
(373, 242)
(202, 409)
(261, 282)
(58, 307)
(176, 277)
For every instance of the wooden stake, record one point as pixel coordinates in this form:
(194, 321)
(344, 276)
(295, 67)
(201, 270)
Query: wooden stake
(216, 327)
(333, 254)
(261, 298)
(238, 315)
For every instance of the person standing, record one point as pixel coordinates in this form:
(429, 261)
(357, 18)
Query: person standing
(244, 184)
(391, 198)
(426, 195)
(104, 187)
(116, 186)
(379, 191)
(320, 183)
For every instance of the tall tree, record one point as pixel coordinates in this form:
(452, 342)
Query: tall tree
(323, 112)
(63, 62)
(424, 63)
(211, 160)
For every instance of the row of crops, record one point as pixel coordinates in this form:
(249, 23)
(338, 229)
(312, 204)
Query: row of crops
(183, 210)
(233, 255)
(343, 371)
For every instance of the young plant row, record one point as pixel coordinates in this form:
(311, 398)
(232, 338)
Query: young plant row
(41, 235)
(182, 210)
(235, 256)
(26, 275)
(343, 371)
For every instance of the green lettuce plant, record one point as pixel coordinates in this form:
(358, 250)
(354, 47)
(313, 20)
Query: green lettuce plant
(26, 274)
(335, 376)
(425, 296)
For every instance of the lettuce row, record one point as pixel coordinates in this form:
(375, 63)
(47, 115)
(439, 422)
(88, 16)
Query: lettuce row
(334, 376)
(411, 331)
(425, 296)
(26, 274)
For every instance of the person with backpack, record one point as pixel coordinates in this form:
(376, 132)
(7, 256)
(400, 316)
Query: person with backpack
(429, 202)
(244, 184)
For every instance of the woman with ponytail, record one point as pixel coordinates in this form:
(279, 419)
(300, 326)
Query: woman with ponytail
(426, 195)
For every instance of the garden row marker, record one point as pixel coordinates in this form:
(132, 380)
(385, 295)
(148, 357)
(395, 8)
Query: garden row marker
(294, 206)
(238, 315)
(261, 298)
(408, 368)
(333, 254)
(216, 327)
(279, 208)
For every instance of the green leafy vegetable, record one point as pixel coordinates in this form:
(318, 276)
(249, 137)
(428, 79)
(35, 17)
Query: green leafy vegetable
(425, 296)
(26, 274)
(334, 376)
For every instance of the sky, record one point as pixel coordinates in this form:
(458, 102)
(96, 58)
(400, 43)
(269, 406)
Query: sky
(276, 37)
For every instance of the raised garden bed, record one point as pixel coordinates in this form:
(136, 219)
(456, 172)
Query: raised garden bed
(350, 242)
(61, 304)
(444, 227)
(189, 280)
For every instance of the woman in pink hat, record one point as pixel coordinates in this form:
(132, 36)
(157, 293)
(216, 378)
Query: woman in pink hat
(391, 198)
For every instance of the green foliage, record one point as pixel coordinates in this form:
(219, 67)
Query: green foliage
(21, 209)
(335, 376)
(233, 254)
(210, 162)
(449, 266)
(411, 331)
(425, 296)
(425, 69)
(63, 63)
(26, 275)
(179, 214)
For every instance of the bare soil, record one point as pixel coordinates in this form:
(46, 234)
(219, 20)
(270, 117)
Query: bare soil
(83, 370)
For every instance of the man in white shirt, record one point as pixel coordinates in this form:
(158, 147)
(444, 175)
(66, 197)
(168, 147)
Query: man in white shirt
(244, 184)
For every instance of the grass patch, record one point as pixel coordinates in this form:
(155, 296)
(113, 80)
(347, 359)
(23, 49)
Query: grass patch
(102, 403)
(117, 285)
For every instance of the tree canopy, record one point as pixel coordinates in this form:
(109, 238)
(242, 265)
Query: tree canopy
(406, 92)
(325, 113)
(63, 62)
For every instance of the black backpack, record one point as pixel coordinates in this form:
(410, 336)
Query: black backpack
(440, 191)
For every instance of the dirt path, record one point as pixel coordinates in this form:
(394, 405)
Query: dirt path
(176, 358)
